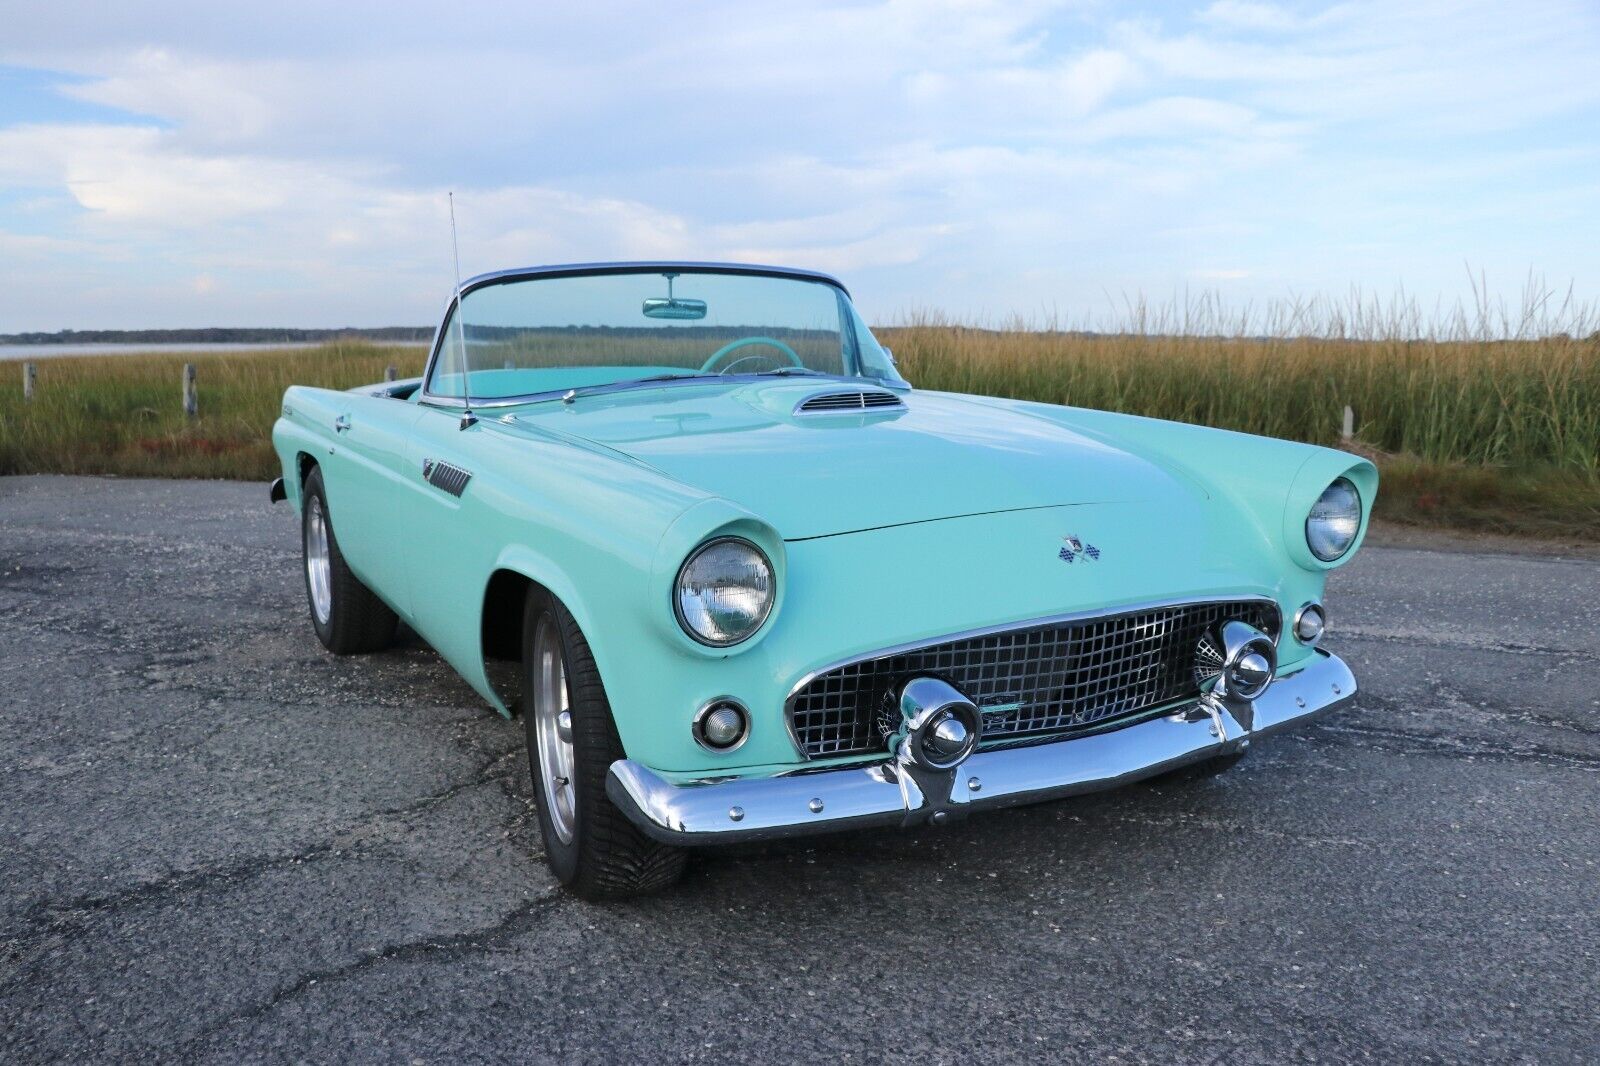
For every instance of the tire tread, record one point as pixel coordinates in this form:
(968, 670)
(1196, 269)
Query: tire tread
(614, 860)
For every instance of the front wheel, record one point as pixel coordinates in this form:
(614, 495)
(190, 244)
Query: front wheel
(572, 741)
(348, 618)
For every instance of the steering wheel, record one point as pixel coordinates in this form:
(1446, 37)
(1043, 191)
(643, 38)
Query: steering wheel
(745, 342)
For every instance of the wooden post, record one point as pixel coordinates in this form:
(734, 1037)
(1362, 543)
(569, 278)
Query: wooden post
(30, 374)
(1349, 429)
(390, 373)
(191, 394)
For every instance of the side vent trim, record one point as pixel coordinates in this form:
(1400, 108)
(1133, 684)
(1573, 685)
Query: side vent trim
(446, 476)
(826, 403)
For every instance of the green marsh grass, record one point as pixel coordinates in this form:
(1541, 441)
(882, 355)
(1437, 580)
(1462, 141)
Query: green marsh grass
(1489, 421)
(123, 414)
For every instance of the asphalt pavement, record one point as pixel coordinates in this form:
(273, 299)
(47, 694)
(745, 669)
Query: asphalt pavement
(219, 843)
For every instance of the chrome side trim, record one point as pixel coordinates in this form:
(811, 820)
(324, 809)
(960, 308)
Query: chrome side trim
(728, 810)
(1027, 623)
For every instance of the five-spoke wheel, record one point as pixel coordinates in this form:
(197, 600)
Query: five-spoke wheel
(572, 741)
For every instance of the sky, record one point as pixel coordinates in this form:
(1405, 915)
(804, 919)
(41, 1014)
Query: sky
(177, 164)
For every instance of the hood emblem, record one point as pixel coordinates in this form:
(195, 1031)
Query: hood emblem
(1076, 547)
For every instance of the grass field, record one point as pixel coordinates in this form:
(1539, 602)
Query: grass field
(1498, 435)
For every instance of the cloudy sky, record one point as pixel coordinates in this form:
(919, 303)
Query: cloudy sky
(166, 164)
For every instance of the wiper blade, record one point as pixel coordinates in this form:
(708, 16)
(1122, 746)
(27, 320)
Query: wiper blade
(783, 371)
(615, 386)
(664, 377)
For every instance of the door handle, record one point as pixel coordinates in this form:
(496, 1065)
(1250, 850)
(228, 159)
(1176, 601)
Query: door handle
(341, 424)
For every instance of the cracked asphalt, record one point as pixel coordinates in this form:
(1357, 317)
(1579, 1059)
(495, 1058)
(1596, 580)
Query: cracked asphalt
(219, 843)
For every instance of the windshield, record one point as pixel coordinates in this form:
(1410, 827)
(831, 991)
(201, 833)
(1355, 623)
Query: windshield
(551, 334)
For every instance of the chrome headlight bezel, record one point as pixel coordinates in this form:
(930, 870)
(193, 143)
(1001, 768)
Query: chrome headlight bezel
(1351, 515)
(1309, 611)
(759, 619)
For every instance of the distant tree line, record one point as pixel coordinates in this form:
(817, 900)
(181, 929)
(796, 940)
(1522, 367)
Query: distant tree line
(219, 335)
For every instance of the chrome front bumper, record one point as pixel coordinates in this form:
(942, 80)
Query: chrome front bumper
(895, 792)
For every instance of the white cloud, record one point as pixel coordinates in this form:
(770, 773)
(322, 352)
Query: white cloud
(985, 154)
(1250, 16)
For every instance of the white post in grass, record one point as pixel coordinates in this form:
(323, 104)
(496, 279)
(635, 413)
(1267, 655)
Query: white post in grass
(390, 373)
(1349, 429)
(191, 394)
(30, 375)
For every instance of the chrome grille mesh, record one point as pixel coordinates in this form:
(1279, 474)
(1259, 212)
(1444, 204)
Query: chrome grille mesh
(1054, 677)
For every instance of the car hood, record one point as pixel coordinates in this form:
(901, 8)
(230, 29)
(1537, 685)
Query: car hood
(938, 456)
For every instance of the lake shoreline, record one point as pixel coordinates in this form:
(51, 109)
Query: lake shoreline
(31, 352)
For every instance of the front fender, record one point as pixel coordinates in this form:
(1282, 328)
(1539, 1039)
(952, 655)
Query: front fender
(1269, 484)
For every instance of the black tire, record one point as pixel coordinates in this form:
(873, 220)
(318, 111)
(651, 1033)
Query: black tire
(607, 857)
(357, 620)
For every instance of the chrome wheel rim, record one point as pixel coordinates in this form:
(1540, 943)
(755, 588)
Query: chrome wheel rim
(319, 570)
(552, 720)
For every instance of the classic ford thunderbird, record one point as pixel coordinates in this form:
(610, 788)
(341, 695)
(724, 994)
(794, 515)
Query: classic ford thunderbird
(742, 581)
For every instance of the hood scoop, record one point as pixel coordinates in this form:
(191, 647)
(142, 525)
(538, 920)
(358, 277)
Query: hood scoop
(848, 401)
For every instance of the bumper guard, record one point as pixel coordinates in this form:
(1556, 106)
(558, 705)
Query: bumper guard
(895, 792)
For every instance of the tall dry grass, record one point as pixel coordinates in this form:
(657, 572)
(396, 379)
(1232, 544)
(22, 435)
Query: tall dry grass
(123, 414)
(1485, 418)
(1477, 402)
(1482, 386)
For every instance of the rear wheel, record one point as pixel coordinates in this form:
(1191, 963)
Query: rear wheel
(348, 618)
(572, 741)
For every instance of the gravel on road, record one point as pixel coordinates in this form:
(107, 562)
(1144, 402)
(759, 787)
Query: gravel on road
(219, 843)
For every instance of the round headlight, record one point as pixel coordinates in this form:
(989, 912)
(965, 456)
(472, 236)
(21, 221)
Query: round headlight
(1334, 520)
(724, 592)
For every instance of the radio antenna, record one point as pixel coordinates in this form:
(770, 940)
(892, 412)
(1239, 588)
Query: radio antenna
(467, 417)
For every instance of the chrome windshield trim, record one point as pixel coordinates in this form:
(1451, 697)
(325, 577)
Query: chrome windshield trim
(455, 402)
(646, 266)
(1030, 623)
(568, 270)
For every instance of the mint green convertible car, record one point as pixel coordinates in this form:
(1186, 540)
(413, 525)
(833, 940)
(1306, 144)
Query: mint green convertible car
(744, 582)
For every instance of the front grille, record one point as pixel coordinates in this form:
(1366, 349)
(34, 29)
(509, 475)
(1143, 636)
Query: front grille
(1053, 677)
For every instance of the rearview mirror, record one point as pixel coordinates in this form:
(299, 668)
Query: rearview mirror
(674, 307)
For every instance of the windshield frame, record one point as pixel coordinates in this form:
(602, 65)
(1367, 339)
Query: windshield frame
(505, 277)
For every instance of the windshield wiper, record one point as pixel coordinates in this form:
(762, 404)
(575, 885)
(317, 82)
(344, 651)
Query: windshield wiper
(617, 386)
(783, 371)
(664, 377)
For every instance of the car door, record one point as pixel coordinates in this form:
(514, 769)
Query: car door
(368, 477)
(445, 550)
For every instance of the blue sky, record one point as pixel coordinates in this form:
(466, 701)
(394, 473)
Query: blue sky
(167, 164)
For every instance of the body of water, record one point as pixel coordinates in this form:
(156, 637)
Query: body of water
(36, 352)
